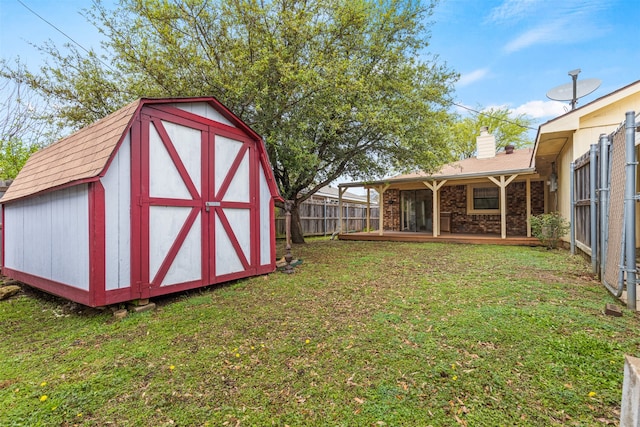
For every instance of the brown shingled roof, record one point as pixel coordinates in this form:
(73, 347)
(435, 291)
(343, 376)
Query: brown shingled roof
(502, 162)
(80, 156)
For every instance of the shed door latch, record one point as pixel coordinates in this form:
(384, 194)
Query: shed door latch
(209, 204)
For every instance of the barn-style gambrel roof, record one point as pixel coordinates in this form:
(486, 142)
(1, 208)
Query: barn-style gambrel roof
(84, 155)
(80, 156)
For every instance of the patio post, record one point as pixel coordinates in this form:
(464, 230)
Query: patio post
(435, 186)
(368, 210)
(503, 201)
(341, 191)
(435, 223)
(381, 189)
(528, 191)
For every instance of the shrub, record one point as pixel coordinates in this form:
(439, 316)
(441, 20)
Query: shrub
(549, 228)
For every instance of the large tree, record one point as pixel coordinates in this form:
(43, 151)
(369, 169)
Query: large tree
(23, 127)
(338, 88)
(508, 128)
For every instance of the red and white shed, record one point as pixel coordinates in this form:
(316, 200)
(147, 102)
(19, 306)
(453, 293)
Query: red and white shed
(161, 196)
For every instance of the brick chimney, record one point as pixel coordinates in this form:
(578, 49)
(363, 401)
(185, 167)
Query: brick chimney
(485, 144)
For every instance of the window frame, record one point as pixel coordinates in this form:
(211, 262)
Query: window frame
(471, 199)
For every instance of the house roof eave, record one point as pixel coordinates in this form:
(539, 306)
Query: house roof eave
(391, 181)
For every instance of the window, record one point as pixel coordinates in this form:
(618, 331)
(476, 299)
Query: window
(483, 199)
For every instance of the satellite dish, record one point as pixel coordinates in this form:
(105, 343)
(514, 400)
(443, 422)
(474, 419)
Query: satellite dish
(565, 92)
(574, 90)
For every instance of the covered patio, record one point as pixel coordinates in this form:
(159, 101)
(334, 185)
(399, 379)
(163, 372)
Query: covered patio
(485, 199)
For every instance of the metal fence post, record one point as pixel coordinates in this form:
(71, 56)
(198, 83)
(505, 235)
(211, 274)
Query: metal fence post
(572, 212)
(604, 202)
(593, 206)
(630, 208)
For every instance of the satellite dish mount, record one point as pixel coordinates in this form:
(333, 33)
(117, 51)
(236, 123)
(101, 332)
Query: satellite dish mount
(574, 78)
(574, 90)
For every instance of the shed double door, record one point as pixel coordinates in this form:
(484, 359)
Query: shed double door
(197, 204)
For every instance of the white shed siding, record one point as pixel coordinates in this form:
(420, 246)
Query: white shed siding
(164, 178)
(265, 219)
(48, 236)
(227, 260)
(117, 189)
(226, 150)
(205, 110)
(165, 224)
(13, 236)
(239, 219)
(187, 142)
(187, 265)
(238, 190)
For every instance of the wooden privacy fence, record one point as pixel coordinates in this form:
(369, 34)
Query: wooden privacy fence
(320, 218)
(582, 200)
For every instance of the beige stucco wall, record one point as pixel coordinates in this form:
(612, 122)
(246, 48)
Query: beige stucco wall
(604, 120)
(561, 199)
(590, 126)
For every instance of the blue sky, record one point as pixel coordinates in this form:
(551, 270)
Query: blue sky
(509, 53)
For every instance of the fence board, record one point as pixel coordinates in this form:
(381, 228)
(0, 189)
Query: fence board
(582, 199)
(319, 218)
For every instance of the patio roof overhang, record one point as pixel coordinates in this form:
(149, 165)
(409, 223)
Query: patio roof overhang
(422, 178)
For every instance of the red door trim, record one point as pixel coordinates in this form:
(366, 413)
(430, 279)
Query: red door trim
(208, 227)
(254, 197)
(97, 244)
(236, 205)
(166, 201)
(221, 128)
(144, 281)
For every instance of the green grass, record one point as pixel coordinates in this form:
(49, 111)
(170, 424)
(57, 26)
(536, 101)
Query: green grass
(364, 333)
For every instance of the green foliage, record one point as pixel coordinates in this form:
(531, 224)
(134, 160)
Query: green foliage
(364, 333)
(337, 88)
(550, 228)
(23, 127)
(13, 155)
(501, 123)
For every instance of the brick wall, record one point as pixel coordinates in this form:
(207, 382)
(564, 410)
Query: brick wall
(391, 210)
(454, 199)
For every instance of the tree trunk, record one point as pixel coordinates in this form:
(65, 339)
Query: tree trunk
(297, 235)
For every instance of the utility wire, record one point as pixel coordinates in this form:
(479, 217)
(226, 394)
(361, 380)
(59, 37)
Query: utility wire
(109, 67)
(493, 117)
(65, 34)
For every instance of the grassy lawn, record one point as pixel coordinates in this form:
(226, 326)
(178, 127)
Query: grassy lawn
(363, 334)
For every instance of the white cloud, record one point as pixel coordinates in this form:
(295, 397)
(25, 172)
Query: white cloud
(472, 77)
(553, 32)
(566, 22)
(512, 10)
(542, 109)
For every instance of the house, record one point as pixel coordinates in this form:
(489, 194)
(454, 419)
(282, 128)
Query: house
(161, 196)
(561, 141)
(492, 194)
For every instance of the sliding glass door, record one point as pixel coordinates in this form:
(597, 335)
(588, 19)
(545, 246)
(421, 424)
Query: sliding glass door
(417, 210)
